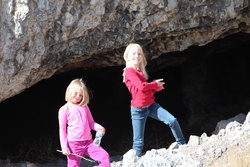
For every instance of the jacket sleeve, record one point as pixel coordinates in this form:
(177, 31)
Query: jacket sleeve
(159, 88)
(135, 79)
(62, 116)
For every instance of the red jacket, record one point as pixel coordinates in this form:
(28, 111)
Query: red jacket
(142, 92)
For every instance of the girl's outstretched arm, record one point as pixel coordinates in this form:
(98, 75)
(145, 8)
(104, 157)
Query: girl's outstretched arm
(139, 80)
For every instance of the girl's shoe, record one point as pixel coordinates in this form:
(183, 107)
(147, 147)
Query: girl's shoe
(174, 146)
(129, 158)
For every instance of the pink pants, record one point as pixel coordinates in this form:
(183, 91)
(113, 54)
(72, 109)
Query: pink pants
(97, 153)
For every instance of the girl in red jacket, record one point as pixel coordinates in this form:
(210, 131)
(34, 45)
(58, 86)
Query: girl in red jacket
(143, 103)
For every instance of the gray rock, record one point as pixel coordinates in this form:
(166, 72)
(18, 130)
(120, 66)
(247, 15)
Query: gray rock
(41, 38)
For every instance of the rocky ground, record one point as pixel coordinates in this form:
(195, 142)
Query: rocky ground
(229, 146)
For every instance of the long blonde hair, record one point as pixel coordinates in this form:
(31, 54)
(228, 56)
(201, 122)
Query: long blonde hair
(143, 63)
(78, 84)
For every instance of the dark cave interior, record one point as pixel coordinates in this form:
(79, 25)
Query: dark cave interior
(201, 91)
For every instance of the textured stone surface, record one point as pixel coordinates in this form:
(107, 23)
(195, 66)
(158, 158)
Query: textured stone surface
(41, 38)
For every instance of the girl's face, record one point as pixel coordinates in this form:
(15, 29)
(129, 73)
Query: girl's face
(135, 56)
(76, 95)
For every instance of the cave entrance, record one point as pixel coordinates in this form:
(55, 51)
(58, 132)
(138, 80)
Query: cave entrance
(210, 85)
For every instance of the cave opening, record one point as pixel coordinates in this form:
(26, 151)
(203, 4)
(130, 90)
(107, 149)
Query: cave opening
(210, 85)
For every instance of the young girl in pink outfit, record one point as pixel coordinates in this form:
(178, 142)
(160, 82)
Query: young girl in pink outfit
(75, 125)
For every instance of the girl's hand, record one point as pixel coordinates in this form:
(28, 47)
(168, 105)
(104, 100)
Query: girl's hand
(102, 130)
(66, 152)
(160, 82)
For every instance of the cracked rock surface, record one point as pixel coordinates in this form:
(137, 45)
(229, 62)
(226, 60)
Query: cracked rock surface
(39, 39)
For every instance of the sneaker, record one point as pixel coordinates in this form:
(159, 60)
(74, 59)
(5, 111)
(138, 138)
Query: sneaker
(129, 158)
(173, 146)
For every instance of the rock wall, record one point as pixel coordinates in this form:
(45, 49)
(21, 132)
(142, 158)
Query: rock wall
(44, 37)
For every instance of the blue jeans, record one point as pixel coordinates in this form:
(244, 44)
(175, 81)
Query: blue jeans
(139, 116)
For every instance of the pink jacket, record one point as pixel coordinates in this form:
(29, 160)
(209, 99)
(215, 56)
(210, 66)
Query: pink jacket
(75, 124)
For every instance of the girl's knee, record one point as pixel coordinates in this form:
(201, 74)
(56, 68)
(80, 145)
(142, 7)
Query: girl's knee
(173, 122)
(105, 156)
(105, 160)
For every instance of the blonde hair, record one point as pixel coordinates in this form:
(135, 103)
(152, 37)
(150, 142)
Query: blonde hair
(143, 62)
(78, 84)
